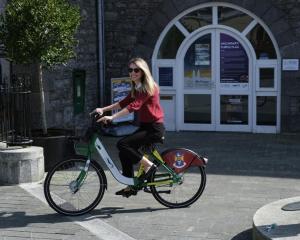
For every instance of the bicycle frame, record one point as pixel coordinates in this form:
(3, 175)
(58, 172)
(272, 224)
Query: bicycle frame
(96, 143)
(170, 179)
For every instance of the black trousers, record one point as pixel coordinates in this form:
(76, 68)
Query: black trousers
(128, 146)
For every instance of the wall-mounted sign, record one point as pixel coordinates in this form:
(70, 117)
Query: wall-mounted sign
(290, 64)
(165, 75)
(234, 64)
(120, 89)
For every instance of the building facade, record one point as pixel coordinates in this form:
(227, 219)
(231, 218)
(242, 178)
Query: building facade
(221, 65)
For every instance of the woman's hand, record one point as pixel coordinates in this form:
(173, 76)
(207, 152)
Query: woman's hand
(105, 119)
(98, 111)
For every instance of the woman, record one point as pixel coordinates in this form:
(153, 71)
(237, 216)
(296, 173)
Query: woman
(143, 99)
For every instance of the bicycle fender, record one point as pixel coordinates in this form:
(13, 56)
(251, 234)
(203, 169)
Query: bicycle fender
(180, 159)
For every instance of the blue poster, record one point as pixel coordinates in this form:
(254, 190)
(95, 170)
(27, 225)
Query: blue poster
(234, 65)
(165, 75)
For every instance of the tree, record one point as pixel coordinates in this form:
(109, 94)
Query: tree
(39, 32)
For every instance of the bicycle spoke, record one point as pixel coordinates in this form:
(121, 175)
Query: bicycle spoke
(183, 193)
(69, 195)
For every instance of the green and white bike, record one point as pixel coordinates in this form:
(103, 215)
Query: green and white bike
(76, 186)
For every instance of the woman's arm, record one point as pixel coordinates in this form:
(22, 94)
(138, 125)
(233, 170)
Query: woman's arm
(114, 106)
(121, 113)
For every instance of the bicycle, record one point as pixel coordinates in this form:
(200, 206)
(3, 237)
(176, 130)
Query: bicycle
(76, 186)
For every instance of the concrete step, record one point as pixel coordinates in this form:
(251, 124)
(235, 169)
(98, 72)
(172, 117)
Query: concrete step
(278, 220)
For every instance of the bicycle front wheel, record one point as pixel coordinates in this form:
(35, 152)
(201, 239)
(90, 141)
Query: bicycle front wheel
(68, 195)
(182, 194)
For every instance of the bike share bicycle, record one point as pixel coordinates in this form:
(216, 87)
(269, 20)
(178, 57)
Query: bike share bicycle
(77, 185)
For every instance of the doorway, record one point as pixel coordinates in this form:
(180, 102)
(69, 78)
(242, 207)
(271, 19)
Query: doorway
(216, 89)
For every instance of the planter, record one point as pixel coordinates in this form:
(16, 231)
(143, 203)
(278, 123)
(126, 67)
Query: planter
(21, 165)
(56, 146)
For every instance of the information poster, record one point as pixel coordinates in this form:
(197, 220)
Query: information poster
(165, 75)
(120, 88)
(202, 54)
(197, 64)
(234, 63)
(290, 64)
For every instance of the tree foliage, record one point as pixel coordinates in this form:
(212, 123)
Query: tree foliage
(39, 31)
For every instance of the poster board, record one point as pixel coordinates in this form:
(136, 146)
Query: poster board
(202, 54)
(120, 88)
(234, 64)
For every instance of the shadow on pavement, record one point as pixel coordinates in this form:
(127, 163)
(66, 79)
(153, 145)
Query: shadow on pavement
(245, 235)
(20, 219)
(282, 231)
(107, 212)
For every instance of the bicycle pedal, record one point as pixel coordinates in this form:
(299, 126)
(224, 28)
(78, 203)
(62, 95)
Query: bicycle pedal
(129, 193)
(147, 190)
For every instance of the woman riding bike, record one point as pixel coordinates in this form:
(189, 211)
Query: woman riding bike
(144, 100)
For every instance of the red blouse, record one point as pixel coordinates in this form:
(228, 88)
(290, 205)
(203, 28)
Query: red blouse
(147, 107)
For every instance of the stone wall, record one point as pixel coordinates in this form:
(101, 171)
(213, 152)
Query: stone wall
(124, 21)
(291, 80)
(59, 80)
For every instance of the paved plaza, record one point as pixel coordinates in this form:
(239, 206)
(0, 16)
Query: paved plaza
(244, 173)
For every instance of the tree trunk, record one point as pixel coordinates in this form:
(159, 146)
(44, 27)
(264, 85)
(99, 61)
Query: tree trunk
(42, 98)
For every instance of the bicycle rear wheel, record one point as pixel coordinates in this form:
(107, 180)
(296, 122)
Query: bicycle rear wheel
(63, 193)
(182, 194)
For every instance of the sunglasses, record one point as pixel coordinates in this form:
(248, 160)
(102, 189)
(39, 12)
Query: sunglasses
(136, 70)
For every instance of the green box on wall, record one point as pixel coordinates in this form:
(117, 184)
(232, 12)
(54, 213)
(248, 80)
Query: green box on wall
(78, 90)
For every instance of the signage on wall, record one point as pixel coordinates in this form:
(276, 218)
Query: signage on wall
(120, 88)
(234, 63)
(165, 76)
(290, 64)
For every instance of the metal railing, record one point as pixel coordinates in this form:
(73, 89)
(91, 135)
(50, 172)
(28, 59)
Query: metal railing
(15, 124)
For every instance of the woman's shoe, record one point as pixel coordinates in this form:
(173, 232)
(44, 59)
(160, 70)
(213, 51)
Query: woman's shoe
(126, 192)
(120, 192)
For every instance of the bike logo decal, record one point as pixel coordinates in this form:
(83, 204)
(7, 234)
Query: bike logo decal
(179, 160)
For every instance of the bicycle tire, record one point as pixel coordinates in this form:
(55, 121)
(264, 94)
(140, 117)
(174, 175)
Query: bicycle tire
(180, 195)
(58, 192)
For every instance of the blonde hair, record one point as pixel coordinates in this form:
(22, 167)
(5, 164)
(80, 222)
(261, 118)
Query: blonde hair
(147, 81)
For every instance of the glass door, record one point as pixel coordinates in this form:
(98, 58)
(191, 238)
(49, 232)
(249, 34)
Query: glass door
(234, 85)
(199, 84)
(217, 85)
